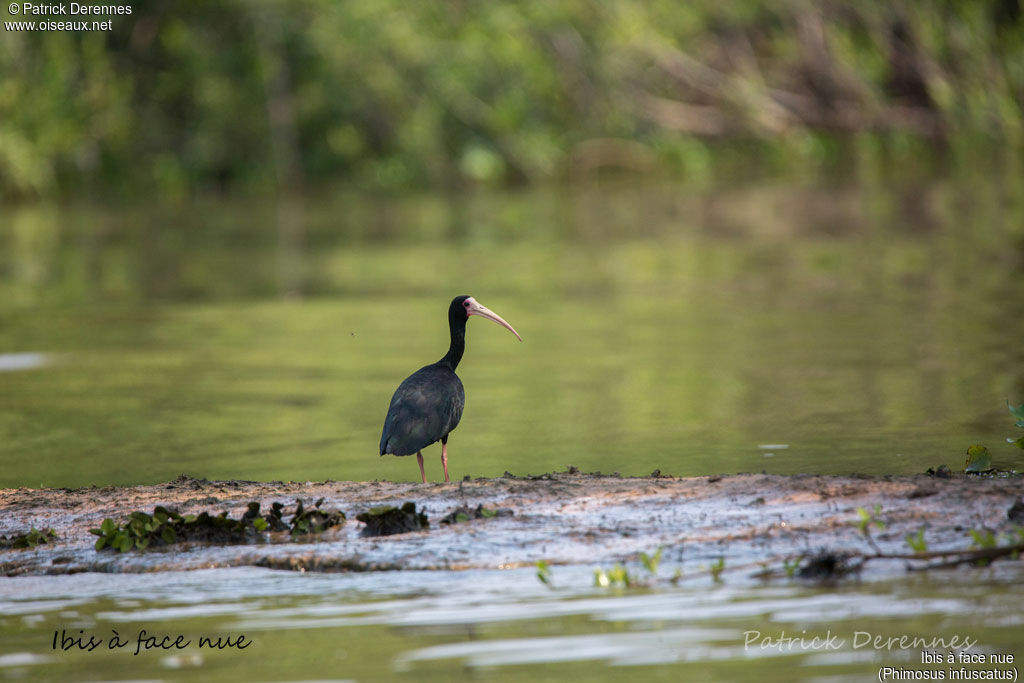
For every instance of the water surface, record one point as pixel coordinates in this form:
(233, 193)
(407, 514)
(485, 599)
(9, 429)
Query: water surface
(497, 625)
(855, 329)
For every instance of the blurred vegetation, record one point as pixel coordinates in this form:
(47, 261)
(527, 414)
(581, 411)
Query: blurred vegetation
(195, 96)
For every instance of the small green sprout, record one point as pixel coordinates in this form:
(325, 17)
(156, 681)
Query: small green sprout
(651, 561)
(867, 519)
(917, 542)
(978, 459)
(716, 569)
(543, 572)
(616, 576)
(983, 538)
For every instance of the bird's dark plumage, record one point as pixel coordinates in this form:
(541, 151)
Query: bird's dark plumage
(425, 408)
(428, 404)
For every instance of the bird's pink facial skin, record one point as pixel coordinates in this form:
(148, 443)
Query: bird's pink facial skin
(474, 308)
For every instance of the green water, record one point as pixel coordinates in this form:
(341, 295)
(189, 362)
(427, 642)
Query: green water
(498, 626)
(867, 329)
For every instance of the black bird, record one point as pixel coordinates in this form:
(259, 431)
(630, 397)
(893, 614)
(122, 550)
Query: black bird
(427, 405)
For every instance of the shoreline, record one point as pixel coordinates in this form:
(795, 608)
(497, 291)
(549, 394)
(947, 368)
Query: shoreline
(559, 518)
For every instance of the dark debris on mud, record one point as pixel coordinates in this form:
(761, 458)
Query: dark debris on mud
(465, 513)
(566, 517)
(388, 520)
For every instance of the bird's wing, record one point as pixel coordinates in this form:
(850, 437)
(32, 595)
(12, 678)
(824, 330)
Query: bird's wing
(420, 412)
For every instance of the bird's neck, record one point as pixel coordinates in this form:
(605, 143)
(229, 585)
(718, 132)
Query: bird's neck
(458, 345)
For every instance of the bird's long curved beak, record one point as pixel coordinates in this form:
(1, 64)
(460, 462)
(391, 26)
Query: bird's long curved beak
(475, 308)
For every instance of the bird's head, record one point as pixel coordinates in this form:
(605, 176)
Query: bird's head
(464, 306)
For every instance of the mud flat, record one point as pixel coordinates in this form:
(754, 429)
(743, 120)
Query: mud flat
(741, 521)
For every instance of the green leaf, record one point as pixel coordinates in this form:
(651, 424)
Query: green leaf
(978, 459)
(488, 512)
(717, 568)
(543, 572)
(1019, 443)
(122, 541)
(101, 542)
(260, 524)
(108, 527)
(1017, 412)
(917, 542)
(651, 561)
(168, 535)
(983, 538)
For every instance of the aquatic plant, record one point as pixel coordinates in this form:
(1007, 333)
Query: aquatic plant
(917, 542)
(716, 569)
(979, 460)
(1018, 413)
(465, 514)
(543, 572)
(313, 520)
(616, 576)
(387, 520)
(651, 561)
(29, 539)
(866, 521)
(166, 526)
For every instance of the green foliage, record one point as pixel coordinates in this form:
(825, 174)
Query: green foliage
(917, 542)
(978, 459)
(405, 94)
(983, 538)
(790, 565)
(868, 519)
(617, 576)
(313, 520)
(387, 520)
(465, 514)
(651, 561)
(1018, 413)
(716, 569)
(166, 526)
(543, 572)
(29, 539)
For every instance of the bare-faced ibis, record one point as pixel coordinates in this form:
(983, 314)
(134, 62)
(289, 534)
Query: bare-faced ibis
(427, 405)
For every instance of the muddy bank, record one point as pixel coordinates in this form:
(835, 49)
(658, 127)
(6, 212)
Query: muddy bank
(563, 518)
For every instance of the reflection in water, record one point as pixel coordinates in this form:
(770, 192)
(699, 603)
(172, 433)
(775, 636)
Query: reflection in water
(10, 362)
(869, 329)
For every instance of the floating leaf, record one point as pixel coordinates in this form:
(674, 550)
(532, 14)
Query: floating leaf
(1017, 412)
(978, 459)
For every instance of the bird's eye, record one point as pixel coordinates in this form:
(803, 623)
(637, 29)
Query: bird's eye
(466, 304)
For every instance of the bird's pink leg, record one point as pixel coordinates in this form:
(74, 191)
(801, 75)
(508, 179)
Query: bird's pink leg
(419, 459)
(444, 459)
